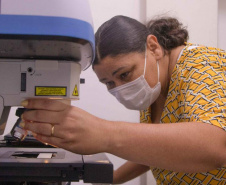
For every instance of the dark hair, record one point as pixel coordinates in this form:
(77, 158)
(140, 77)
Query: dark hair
(169, 32)
(122, 35)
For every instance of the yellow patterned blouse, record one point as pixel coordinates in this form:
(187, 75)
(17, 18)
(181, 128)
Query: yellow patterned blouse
(197, 93)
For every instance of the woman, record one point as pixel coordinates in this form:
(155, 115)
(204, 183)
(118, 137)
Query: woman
(154, 70)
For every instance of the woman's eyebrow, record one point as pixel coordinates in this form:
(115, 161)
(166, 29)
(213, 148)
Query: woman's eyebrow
(117, 70)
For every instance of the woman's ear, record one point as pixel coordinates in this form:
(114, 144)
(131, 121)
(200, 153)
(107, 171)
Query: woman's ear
(154, 47)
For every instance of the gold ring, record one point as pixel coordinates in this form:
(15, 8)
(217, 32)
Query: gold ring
(52, 131)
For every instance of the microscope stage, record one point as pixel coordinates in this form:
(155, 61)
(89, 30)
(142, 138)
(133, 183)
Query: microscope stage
(53, 165)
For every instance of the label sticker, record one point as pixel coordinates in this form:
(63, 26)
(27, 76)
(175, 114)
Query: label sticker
(75, 92)
(50, 91)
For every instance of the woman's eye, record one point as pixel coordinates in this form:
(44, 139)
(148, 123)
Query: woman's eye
(124, 75)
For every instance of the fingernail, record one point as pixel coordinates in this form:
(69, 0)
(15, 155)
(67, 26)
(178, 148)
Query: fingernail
(34, 134)
(22, 124)
(24, 103)
(22, 117)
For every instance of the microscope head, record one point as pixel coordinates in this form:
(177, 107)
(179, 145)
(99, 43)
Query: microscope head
(44, 46)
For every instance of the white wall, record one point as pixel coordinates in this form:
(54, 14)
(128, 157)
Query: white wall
(200, 17)
(222, 24)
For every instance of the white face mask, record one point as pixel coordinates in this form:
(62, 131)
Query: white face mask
(137, 95)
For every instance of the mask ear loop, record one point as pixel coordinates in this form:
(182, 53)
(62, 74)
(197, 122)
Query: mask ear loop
(145, 60)
(158, 69)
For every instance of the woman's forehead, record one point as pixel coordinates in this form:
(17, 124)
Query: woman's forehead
(123, 59)
(107, 65)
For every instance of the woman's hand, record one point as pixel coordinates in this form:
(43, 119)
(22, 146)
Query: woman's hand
(65, 126)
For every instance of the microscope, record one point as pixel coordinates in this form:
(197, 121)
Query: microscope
(44, 46)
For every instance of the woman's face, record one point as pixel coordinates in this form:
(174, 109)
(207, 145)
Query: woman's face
(124, 68)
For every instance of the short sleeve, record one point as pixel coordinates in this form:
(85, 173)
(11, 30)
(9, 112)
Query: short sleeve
(205, 95)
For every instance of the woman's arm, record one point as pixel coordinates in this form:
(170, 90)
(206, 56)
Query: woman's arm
(184, 147)
(128, 171)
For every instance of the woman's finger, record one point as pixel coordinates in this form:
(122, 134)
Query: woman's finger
(46, 104)
(45, 129)
(54, 141)
(43, 116)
